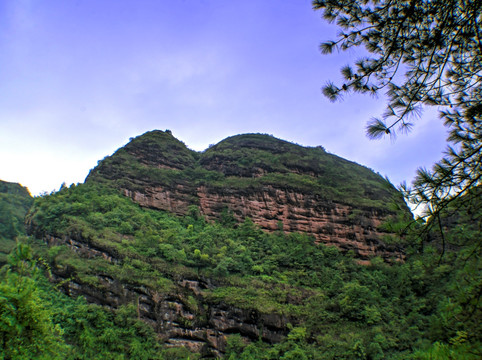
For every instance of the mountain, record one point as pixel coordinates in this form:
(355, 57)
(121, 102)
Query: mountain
(279, 185)
(228, 253)
(227, 241)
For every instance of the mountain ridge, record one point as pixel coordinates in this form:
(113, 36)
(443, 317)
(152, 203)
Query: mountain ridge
(280, 185)
(146, 283)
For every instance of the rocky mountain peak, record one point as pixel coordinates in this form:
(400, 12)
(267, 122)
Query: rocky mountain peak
(278, 184)
(160, 149)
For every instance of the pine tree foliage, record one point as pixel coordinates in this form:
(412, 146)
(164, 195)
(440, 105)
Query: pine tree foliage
(421, 53)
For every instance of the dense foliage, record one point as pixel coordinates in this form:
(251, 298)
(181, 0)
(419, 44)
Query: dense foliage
(421, 53)
(253, 160)
(337, 309)
(37, 321)
(15, 200)
(249, 161)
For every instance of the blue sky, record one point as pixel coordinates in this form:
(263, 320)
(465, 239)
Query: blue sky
(79, 78)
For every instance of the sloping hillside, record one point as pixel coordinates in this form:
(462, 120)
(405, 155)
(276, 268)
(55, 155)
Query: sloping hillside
(277, 184)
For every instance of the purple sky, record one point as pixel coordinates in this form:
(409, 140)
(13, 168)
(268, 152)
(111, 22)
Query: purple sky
(79, 78)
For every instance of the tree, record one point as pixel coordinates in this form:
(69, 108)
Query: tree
(26, 327)
(421, 53)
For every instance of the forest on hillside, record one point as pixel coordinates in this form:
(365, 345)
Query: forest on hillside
(426, 307)
(97, 271)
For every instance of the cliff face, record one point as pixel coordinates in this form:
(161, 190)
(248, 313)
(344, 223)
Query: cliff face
(197, 283)
(279, 185)
(183, 316)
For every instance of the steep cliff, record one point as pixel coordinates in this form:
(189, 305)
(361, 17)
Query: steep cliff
(195, 282)
(182, 259)
(193, 258)
(279, 185)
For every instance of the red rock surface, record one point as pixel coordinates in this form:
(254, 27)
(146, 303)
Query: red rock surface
(274, 209)
(158, 171)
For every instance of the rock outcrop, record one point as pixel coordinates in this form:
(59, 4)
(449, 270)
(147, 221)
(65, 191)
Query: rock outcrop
(184, 316)
(279, 185)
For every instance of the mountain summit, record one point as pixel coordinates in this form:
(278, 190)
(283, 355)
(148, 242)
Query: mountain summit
(176, 236)
(279, 185)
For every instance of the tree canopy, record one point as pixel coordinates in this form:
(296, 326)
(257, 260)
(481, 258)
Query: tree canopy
(420, 53)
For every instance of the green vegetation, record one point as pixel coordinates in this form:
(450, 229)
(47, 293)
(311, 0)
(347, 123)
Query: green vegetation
(15, 200)
(39, 322)
(244, 162)
(425, 307)
(419, 54)
(26, 327)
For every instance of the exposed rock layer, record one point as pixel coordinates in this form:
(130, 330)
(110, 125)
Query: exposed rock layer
(279, 185)
(182, 317)
(241, 175)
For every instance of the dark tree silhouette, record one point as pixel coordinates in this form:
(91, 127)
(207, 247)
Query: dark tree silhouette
(421, 53)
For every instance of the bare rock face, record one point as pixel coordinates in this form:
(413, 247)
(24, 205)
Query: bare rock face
(183, 316)
(330, 223)
(172, 200)
(279, 185)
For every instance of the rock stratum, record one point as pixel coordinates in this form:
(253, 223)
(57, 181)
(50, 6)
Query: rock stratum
(277, 184)
(283, 188)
